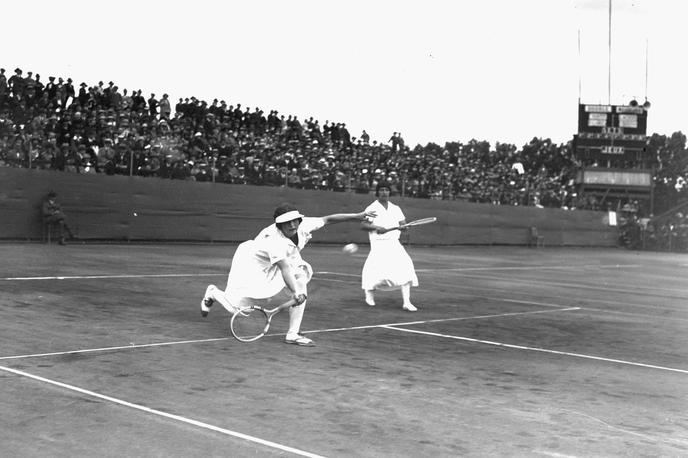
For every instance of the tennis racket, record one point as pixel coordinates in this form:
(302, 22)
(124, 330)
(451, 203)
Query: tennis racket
(251, 323)
(418, 222)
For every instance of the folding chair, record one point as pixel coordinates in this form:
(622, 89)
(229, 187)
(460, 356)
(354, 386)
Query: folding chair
(47, 230)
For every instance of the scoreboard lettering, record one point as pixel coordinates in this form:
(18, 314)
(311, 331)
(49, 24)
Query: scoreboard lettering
(599, 118)
(611, 133)
(608, 149)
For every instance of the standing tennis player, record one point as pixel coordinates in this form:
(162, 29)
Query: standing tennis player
(270, 267)
(388, 265)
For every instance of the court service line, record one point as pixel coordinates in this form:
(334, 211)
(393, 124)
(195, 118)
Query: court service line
(160, 413)
(215, 339)
(618, 289)
(100, 277)
(544, 304)
(542, 350)
(439, 320)
(540, 267)
(538, 282)
(121, 347)
(492, 298)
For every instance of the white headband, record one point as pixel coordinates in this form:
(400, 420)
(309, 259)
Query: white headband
(288, 216)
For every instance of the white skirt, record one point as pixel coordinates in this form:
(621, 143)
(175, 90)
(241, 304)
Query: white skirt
(249, 277)
(388, 266)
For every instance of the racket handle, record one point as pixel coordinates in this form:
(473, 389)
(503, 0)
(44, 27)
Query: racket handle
(289, 304)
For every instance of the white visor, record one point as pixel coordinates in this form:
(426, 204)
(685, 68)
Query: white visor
(288, 216)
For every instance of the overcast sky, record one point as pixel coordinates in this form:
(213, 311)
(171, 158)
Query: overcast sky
(496, 70)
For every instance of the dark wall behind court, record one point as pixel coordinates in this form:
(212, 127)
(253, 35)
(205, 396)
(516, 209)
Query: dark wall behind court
(121, 208)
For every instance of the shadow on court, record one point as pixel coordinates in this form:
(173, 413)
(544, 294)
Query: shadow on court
(514, 352)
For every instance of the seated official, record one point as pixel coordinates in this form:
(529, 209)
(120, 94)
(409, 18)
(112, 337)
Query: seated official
(53, 215)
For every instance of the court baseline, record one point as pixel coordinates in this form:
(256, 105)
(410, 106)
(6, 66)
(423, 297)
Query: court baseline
(160, 413)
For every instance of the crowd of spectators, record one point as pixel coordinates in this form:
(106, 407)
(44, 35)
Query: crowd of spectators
(101, 128)
(668, 233)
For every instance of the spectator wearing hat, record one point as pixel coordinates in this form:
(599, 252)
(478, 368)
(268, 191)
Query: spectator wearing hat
(270, 266)
(68, 93)
(3, 88)
(16, 84)
(38, 88)
(394, 140)
(51, 90)
(83, 95)
(165, 108)
(126, 101)
(115, 98)
(53, 214)
(152, 106)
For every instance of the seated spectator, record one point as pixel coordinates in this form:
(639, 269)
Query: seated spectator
(53, 215)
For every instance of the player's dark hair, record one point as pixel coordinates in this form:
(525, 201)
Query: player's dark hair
(381, 185)
(283, 208)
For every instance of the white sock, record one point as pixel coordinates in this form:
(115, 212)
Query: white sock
(406, 293)
(295, 317)
(216, 294)
(369, 296)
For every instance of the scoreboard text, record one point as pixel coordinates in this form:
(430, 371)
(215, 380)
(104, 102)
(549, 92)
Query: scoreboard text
(611, 133)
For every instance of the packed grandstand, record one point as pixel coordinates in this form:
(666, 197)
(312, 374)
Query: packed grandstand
(101, 128)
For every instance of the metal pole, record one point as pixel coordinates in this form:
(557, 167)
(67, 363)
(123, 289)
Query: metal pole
(131, 162)
(647, 44)
(609, 75)
(580, 84)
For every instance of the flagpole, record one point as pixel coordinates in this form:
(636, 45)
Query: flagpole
(609, 70)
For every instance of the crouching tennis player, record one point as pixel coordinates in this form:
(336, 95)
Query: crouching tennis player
(271, 265)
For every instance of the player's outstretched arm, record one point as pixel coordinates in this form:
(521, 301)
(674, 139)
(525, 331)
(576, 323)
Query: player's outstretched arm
(289, 276)
(370, 227)
(340, 217)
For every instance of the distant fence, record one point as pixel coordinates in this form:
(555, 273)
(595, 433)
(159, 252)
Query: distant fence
(122, 208)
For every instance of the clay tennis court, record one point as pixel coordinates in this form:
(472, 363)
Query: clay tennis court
(515, 352)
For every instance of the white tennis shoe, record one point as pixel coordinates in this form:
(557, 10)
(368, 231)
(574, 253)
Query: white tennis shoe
(409, 307)
(206, 303)
(299, 339)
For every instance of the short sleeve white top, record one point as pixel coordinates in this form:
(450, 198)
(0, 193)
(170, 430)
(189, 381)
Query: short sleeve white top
(386, 217)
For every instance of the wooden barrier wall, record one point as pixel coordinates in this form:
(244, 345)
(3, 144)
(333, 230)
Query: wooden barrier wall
(134, 208)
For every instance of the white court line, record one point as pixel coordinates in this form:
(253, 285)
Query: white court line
(542, 350)
(542, 267)
(472, 296)
(438, 320)
(160, 413)
(532, 282)
(121, 347)
(161, 344)
(89, 277)
(543, 304)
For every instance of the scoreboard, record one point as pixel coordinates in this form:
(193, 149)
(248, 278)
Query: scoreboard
(611, 145)
(611, 133)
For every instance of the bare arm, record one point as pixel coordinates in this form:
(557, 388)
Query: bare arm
(289, 276)
(368, 226)
(339, 217)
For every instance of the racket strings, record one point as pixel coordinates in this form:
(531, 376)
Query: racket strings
(249, 324)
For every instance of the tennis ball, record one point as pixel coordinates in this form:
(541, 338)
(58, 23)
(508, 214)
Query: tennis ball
(350, 248)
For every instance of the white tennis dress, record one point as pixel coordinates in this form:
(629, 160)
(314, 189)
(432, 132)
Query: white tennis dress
(254, 273)
(388, 265)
